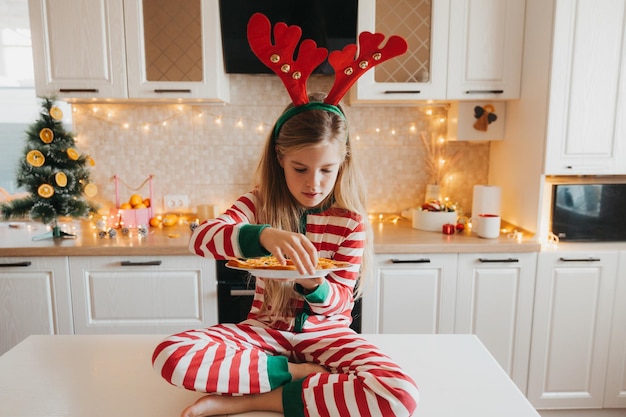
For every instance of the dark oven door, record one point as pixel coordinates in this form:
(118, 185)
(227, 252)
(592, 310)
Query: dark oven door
(235, 292)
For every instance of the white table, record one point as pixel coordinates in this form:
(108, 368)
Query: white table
(111, 376)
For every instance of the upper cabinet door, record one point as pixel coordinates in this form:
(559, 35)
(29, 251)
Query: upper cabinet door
(586, 126)
(485, 49)
(78, 48)
(419, 74)
(128, 49)
(174, 50)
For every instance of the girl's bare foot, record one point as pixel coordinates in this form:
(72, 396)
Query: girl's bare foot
(213, 405)
(302, 370)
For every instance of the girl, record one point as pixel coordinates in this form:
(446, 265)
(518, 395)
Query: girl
(295, 353)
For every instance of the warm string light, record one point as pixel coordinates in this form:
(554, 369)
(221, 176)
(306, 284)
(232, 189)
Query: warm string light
(240, 122)
(437, 122)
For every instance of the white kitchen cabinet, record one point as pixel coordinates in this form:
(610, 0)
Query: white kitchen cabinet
(411, 293)
(586, 131)
(78, 48)
(495, 294)
(485, 49)
(175, 50)
(134, 294)
(34, 299)
(116, 49)
(571, 329)
(615, 391)
(419, 74)
(459, 50)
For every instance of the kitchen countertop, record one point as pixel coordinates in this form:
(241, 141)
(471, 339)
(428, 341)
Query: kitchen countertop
(389, 237)
(399, 237)
(110, 375)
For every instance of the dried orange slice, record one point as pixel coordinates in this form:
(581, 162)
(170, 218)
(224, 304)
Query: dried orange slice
(35, 158)
(61, 179)
(46, 135)
(72, 154)
(56, 113)
(90, 189)
(45, 191)
(91, 161)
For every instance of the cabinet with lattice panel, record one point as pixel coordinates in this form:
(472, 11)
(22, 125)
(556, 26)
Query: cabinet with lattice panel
(421, 73)
(174, 50)
(149, 50)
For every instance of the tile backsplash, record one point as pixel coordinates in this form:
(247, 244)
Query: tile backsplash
(210, 152)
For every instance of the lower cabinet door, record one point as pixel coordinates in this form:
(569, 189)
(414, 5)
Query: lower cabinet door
(495, 293)
(572, 329)
(34, 298)
(411, 294)
(133, 294)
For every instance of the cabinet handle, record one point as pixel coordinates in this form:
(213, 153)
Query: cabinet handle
(184, 90)
(484, 92)
(590, 259)
(508, 260)
(241, 293)
(401, 92)
(147, 263)
(411, 261)
(78, 90)
(12, 264)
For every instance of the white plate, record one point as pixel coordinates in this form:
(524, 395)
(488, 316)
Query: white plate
(286, 273)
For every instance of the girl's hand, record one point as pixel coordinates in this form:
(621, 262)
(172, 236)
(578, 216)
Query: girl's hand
(310, 284)
(295, 246)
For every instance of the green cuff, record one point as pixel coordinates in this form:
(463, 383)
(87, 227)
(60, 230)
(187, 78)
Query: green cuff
(318, 295)
(278, 371)
(293, 406)
(249, 244)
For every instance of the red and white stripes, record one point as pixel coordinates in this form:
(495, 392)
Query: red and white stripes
(232, 359)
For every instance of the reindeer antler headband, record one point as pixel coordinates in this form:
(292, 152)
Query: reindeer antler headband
(294, 73)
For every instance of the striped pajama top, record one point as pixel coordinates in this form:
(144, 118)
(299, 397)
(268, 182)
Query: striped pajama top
(336, 234)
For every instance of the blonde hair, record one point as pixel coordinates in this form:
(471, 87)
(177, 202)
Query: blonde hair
(281, 210)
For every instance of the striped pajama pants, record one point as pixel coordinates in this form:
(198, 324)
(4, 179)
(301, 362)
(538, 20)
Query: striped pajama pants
(234, 359)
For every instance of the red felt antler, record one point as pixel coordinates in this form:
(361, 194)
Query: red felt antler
(279, 57)
(348, 70)
(295, 73)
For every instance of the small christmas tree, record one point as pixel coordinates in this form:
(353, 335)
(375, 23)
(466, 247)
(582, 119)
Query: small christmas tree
(53, 172)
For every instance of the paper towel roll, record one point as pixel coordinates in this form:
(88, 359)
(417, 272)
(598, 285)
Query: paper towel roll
(486, 200)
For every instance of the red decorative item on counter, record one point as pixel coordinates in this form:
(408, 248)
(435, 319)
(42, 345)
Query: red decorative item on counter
(448, 229)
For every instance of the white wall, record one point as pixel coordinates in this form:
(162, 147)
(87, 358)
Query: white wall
(516, 163)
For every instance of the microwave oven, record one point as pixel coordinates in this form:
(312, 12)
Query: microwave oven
(589, 212)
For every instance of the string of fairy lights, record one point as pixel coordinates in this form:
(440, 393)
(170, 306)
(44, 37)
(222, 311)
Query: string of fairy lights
(118, 116)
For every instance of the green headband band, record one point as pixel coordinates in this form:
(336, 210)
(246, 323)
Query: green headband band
(314, 105)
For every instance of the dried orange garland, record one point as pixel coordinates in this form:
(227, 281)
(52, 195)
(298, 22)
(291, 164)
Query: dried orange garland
(45, 191)
(61, 179)
(72, 154)
(56, 113)
(35, 158)
(46, 135)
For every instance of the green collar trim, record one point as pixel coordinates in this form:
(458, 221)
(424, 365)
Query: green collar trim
(314, 210)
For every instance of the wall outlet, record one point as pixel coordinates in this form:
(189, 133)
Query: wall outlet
(176, 202)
